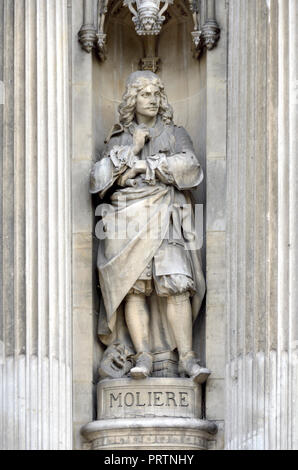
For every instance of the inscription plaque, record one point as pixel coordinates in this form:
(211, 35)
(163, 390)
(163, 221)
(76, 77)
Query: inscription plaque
(122, 398)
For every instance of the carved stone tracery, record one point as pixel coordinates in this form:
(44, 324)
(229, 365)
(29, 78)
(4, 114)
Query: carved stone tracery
(148, 17)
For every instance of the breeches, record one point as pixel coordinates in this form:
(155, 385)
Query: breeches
(165, 286)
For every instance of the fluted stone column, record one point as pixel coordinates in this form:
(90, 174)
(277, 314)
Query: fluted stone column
(262, 248)
(35, 321)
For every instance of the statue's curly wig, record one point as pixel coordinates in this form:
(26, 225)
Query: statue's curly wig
(128, 105)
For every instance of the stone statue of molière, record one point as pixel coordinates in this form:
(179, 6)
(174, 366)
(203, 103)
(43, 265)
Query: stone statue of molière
(149, 266)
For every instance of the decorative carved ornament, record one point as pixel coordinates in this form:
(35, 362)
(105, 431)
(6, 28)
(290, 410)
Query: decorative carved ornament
(148, 18)
(206, 31)
(91, 37)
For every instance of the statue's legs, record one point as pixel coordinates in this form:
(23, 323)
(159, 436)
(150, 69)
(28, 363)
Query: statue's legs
(179, 315)
(180, 319)
(137, 320)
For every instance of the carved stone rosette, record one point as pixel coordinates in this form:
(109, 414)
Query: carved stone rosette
(150, 63)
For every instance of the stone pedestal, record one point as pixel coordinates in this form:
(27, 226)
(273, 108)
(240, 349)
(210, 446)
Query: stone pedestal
(155, 413)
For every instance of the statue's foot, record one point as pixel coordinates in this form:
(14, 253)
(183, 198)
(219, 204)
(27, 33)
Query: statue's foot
(143, 367)
(200, 376)
(189, 365)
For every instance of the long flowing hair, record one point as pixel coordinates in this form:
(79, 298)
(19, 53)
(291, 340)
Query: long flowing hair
(128, 105)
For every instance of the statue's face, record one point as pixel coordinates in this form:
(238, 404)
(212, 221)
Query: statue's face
(148, 101)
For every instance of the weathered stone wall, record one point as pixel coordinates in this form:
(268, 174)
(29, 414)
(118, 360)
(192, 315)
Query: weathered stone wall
(35, 287)
(262, 334)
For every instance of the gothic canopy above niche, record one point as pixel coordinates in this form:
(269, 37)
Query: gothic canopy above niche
(148, 17)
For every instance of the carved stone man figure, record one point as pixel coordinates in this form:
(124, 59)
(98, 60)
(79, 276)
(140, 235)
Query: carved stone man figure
(150, 277)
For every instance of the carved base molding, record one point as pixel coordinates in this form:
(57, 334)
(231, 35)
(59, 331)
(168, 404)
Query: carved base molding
(149, 434)
(155, 413)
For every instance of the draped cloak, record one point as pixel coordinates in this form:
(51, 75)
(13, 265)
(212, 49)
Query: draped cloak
(143, 221)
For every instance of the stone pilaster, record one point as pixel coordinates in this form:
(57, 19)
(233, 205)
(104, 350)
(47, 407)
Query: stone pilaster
(35, 328)
(262, 334)
(216, 111)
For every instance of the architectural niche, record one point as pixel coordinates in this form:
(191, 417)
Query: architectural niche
(148, 17)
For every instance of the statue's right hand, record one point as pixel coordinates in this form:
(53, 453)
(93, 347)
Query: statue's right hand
(131, 173)
(139, 167)
(139, 139)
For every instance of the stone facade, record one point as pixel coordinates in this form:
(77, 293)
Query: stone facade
(239, 103)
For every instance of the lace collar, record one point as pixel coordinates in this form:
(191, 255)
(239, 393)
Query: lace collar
(153, 131)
